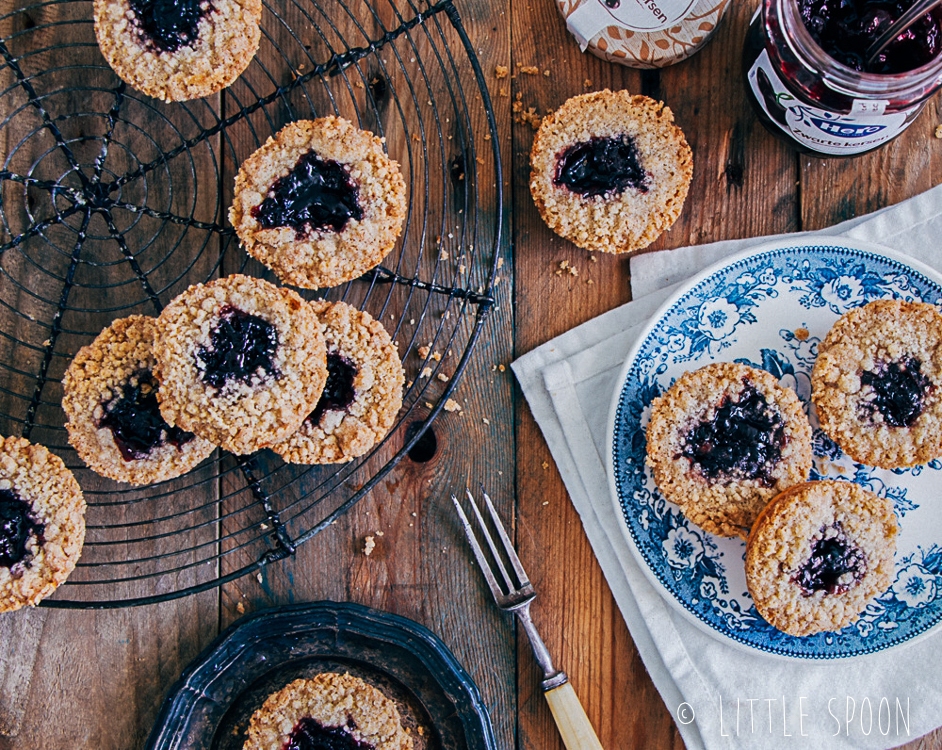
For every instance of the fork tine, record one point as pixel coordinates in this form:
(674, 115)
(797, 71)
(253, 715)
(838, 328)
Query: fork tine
(490, 542)
(508, 546)
(478, 552)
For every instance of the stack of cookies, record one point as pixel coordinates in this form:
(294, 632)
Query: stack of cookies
(731, 447)
(239, 364)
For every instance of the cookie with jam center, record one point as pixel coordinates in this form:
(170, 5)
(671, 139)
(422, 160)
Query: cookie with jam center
(363, 393)
(114, 420)
(241, 362)
(723, 441)
(176, 50)
(328, 710)
(818, 554)
(610, 171)
(877, 383)
(42, 523)
(319, 203)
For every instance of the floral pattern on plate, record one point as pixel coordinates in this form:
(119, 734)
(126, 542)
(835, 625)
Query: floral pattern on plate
(770, 308)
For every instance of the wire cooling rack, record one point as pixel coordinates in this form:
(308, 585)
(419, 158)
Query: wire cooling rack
(113, 203)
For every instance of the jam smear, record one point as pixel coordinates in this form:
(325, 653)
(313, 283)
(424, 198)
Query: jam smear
(846, 28)
(600, 166)
(16, 527)
(836, 565)
(338, 392)
(169, 24)
(135, 421)
(317, 194)
(743, 439)
(242, 347)
(898, 390)
(312, 735)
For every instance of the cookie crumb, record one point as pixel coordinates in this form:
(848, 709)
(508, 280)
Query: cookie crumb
(802, 334)
(530, 70)
(501, 72)
(452, 405)
(501, 368)
(369, 545)
(443, 377)
(485, 420)
(424, 352)
(545, 465)
(426, 373)
(240, 608)
(587, 83)
(938, 131)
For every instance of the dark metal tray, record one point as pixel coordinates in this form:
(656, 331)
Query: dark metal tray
(211, 704)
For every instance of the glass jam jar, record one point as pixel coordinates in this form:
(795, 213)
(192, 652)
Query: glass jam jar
(820, 105)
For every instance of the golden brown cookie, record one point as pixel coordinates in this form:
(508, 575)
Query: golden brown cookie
(240, 362)
(877, 383)
(325, 706)
(320, 203)
(42, 523)
(363, 393)
(724, 440)
(180, 50)
(114, 420)
(610, 171)
(818, 554)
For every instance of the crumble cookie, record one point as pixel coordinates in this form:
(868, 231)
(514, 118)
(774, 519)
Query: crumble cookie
(818, 554)
(327, 710)
(610, 171)
(240, 362)
(42, 523)
(320, 203)
(363, 393)
(877, 383)
(114, 421)
(723, 441)
(181, 49)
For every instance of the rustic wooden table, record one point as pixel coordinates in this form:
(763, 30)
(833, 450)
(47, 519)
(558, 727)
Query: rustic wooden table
(96, 679)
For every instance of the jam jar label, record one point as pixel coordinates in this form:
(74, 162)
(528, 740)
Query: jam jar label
(821, 130)
(591, 16)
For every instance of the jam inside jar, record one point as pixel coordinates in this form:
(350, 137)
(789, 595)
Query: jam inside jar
(808, 83)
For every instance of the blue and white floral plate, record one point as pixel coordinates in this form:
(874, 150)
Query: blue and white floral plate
(769, 308)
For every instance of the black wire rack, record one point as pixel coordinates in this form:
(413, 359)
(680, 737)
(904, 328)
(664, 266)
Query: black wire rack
(113, 203)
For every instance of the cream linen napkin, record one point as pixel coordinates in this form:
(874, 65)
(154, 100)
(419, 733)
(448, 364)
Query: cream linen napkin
(720, 696)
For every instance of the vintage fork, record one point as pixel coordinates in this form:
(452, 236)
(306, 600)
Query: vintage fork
(573, 724)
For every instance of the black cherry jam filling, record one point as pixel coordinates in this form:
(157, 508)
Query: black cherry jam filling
(898, 390)
(16, 527)
(835, 566)
(242, 348)
(846, 28)
(312, 735)
(169, 25)
(339, 390)
(601, 166)
(318, 194)
(744, 439)
(133, 416)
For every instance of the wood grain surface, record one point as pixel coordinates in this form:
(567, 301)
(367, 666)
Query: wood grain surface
(96, 679)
